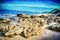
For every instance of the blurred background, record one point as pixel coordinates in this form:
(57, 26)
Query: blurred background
(28, 6)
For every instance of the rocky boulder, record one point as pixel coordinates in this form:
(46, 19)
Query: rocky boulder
(23, 15)
(55, 27)
(26, 27)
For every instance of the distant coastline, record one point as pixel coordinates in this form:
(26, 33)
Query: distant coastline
(13, 13)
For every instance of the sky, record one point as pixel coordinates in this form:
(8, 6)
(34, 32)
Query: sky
(30, 5)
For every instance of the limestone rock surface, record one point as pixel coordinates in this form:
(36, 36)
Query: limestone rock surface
(26, 26)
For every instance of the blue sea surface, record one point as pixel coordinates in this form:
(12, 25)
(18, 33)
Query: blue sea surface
(27, 6)
(14, 12)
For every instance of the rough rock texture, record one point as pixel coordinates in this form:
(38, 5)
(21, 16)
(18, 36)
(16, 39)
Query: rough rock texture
(23, 15)
(4, 19)
(45, 35)
(26, 26)
(30, 27)
(55, 27)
